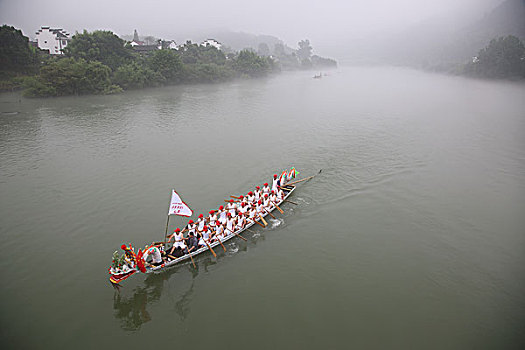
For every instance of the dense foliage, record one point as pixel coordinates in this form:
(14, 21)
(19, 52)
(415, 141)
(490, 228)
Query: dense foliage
(101, 46)
(301, 58)
(248, 63)
(503, 58)
(70, 76)
(16, 55)
(100, 63)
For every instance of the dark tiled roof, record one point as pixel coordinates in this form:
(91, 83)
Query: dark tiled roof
(143, 48)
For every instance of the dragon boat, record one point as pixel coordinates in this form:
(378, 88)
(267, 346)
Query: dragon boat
(132, 262)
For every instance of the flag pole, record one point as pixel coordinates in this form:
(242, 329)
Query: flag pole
(166, 233)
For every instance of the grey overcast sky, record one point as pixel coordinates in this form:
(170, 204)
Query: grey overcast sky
(328, 21)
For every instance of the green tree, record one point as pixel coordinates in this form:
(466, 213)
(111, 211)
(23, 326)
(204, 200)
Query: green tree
(167, 63)
(503, 58)
(248, 63)
(16, 55)
(69, 76)
(135, 76)
(102, 46)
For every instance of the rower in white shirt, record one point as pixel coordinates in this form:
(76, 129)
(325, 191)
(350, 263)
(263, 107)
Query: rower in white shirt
(222, 215)
(190, 227)
(212, 218)
(232, 208)
(280, 195)
(250, 197)
(273, 197)
(205, 236)
(219, 231)
(241, 199)
(259, 207)
(179, 240)
(252, 211)
(201, 222)
(266, 201)
(230, 222)
(258, 193)
(241, 221)
(243, 208)
(266, 189)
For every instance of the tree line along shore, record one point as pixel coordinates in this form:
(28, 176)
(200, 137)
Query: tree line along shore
(100, 62)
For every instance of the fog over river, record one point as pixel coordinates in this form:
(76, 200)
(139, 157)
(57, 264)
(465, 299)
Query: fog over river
(412, 236)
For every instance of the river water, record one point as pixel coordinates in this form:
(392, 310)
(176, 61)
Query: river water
(412, 236)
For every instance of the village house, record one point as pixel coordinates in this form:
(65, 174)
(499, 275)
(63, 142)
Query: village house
(52, 40)
(212, 42)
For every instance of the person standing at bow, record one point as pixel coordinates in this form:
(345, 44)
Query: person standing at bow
(275, 183)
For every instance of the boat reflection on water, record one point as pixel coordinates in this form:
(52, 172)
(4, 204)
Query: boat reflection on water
(132, 310)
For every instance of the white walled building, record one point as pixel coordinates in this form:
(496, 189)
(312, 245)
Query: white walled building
(212, 42)
(51, 39)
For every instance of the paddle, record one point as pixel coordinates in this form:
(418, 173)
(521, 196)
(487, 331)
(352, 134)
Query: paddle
(215, 255)
(258, 223)
(306, 178)
(235, 233)
(287, 200)
(269, 212)
(191, 257)
(247, 229)
(262, 219)
(282, 212)
(221, 244)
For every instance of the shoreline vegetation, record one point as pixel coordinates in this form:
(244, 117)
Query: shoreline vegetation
(100, 62)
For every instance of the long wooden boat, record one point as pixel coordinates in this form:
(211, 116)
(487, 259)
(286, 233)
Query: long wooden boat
(216, 243)
(118, 276)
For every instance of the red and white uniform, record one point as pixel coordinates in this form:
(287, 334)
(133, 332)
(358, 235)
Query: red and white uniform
(200, 224)
(191, 228)
(232, 207)
(266, 189)
(229, 225)
(222, 216)
(241, 221)
(205, 234)
(280, 195)
(219, 232)
(212, 218)
(179, 240)
(274, 183)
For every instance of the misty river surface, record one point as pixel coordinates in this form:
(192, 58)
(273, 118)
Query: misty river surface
(411, 237)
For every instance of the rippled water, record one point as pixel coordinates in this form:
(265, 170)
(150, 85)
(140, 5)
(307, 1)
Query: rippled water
(412, 236)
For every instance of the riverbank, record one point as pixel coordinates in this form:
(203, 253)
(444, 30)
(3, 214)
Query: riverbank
(102, 63)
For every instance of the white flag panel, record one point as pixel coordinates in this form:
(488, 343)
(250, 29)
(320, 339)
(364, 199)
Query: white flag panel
(178, 207)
